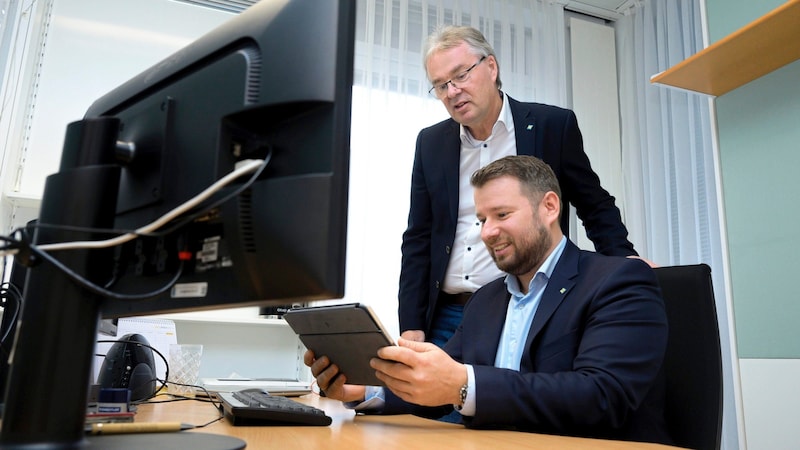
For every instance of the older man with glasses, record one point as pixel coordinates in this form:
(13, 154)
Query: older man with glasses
(443, 258)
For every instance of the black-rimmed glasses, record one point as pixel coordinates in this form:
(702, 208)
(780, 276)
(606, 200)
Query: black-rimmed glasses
(440, 90)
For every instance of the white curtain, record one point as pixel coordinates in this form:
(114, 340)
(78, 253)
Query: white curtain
(667, 136)
(668, 159)
(528, 36)
(391, 105)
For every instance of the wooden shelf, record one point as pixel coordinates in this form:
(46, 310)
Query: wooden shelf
(755, 50)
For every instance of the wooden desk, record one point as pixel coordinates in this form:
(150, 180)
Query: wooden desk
(349, 431)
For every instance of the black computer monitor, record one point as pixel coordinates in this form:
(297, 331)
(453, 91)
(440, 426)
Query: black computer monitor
(272, 84)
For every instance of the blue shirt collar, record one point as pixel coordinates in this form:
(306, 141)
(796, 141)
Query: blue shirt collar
(547, 267)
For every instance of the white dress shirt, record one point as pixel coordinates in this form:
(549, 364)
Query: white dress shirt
(470, 265)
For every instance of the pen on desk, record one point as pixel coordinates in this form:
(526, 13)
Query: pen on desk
(144, 427)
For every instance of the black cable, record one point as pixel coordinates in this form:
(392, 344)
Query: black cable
(10, 292)
(95, 289)
(77, 229)
(13, 244)
(91, 287)
(165, 381)
(10, 239)
(176, 398)
(178, 223)
(203, 209)
(221, 416)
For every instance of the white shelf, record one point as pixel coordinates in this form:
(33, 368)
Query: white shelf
(23, 201)
(206, 317)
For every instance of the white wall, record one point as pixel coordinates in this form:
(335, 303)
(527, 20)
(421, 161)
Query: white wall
(87, 48)
(92, 47)
(771, 397)
(595, 100)
(381, 157)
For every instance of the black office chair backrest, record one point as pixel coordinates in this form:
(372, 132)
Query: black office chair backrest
(693, 363)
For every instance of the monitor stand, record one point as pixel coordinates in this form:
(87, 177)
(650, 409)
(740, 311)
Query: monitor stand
(47, 388)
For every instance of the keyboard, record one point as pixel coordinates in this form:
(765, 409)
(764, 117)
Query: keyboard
(257, 407)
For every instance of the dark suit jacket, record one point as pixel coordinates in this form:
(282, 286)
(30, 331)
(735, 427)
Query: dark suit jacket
(544, 131)
(593, 360)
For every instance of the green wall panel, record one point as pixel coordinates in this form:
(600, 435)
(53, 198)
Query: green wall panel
(759, 138)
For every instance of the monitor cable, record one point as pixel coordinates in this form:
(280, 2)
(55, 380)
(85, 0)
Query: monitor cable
(15, 246)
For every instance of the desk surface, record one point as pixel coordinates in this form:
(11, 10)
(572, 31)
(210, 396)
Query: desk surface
(349, 431)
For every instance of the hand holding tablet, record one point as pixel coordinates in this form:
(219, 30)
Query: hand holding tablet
(349, 335)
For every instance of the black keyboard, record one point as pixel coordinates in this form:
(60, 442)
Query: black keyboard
(257, 407)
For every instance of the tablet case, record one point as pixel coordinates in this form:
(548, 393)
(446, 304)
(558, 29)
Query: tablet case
(349, 335)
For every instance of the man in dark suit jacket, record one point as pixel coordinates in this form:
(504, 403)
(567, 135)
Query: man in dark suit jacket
(569, 342)
(440, 176)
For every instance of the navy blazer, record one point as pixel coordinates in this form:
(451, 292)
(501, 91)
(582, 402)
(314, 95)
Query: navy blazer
(593, 361)
(547, 132)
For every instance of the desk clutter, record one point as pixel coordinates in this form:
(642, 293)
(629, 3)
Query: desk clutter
(129, 376)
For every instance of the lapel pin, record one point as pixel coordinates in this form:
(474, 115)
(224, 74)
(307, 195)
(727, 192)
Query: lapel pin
(530, 127)
(563, 290)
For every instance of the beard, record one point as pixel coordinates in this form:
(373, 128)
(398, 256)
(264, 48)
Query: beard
(530, 253)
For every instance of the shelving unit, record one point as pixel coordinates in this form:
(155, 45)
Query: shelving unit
(755, 50)
(251, 347)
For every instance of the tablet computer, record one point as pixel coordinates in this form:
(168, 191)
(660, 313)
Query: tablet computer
(349, 335)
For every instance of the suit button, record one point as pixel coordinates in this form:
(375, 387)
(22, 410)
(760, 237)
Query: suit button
(436, 284)
(447, 249)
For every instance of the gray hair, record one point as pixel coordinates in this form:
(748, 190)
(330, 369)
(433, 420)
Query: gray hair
(446, 37)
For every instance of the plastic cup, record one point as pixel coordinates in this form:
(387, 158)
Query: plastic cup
(184, 369)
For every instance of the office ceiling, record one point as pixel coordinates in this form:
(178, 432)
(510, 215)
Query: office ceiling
(234, 6)
(606, 9)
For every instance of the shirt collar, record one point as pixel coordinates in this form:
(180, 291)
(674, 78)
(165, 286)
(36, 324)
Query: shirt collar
(504, 119)
(547, 267)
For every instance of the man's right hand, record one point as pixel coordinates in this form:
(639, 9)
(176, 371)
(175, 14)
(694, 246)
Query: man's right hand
(413, 335)
(331, 381)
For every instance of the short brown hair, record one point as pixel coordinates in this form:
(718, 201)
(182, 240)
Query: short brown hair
(535, 176)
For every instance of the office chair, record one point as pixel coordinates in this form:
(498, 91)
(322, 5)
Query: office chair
(693, 362)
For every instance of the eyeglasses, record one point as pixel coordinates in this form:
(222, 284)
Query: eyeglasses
(440, 90)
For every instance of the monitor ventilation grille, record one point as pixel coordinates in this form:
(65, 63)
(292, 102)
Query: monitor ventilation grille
(246, 228)
(234, 6)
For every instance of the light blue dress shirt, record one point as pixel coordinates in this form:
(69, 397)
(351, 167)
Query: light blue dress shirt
(519, 317)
